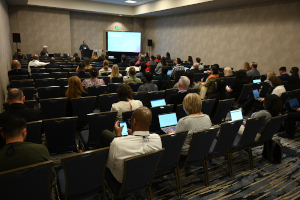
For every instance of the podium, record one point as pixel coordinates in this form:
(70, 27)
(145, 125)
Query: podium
(86, 53)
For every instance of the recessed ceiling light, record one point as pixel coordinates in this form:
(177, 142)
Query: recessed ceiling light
(130, 1)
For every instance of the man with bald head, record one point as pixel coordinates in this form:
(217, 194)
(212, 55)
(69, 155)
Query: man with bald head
(183, 85)
(15, 99)
(52, 64)
(139, 141)
(35, 62)
(16, 69)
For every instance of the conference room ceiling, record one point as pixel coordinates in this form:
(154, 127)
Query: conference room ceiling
(141, 8)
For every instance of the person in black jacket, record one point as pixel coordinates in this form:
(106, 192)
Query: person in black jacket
(81, 71)
(293, 81)
(16, 69)
(123, 62)
(52, 64)
(283, 74)
(15, 99)
(238, 84)
(183, 85)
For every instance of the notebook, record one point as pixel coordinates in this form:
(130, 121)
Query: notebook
(169, 72)
(294, 103)
(236, 115)
(158, 102)
(256, 81)
(167, 121)
(255, 94)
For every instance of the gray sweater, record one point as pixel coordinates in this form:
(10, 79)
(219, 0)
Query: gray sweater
(192, 124)
(267, 119)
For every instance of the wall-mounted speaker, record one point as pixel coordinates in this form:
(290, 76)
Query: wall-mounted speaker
(149, 43)
(17, 37)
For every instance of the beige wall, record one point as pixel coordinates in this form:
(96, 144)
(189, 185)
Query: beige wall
(41, 26)
(5, 50)
(267, 33)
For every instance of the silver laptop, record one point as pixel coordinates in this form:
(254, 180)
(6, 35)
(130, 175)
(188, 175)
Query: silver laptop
(236, 115)
(158, 102)
(167, 121)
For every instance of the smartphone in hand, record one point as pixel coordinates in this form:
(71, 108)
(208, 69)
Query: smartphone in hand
(124, 130)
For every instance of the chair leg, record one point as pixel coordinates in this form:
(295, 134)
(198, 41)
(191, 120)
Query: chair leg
(229, 157)
(178, 181)
(103, 192)
(149, 193)
(206, 172)
(251, 158)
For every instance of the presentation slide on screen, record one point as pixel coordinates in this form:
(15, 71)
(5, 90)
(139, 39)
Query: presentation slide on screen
(124, 41)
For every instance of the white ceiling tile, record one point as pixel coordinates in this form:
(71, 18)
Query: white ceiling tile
(122, 2)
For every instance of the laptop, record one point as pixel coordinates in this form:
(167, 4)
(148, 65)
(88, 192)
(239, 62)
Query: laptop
(294, 104)
(236, 115)
(255, 94)
(256, 81)
(158, 102)
(169, 72)
(186, 68)
(167, 121)
(111, 57)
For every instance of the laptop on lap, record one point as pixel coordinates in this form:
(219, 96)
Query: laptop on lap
(294, 104)
(167, 121)
(236, 115)
(158, 102)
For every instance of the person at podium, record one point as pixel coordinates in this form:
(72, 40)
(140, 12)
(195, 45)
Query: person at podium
(84, 46)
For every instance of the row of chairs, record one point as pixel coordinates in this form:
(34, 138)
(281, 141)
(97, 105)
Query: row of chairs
(89, 167)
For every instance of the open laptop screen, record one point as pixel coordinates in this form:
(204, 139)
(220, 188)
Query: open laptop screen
(159, 102)
(256, 81)
(167, 120)
(255, 94)
(186, 68)
(236, 115)
(294, 103)
(169, 72)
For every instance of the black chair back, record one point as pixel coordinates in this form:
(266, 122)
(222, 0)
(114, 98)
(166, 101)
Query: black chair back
(57, 75)
(295, 94)
(228, 132)
(34, 132)
(284, 97)
(30, 103)
(87, 168)
(207, 106)
(156, 95)
(222, 110)
(60, 134)
(31, 182)
(68, 70)
(178, 74)
(113, 87)
(170, 92)
(180, 113)
(106, 101)
(40, 75)
(138, 96)
(83, 106)
(17, 77)
(46, 82)
(155, 127)
(62, 82)
(117, 79)
(51, 70)
(106, 79)
(38, 70)
(152, 68)
(96, 91)
(22, 83)
(245, 92)
(48, 92)
(28, 92)
(53, 108)
(193, 91)
(164, 85)
(172, 145)
(230, 81)
(265, 88)
(135, 86)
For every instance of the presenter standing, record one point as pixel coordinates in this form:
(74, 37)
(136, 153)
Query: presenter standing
(84, 46)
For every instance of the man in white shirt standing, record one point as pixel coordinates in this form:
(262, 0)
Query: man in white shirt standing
(139, 141)
(35, 62)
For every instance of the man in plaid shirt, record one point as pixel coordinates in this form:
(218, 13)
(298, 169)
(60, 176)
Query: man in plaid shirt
(176, 68)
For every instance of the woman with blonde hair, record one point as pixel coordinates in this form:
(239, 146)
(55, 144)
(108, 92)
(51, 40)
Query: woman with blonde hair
(228, 72)
(87, 63)
(95, 56)
(195, 120)
(114, 72)
(269, 74)
(246, 66)
(105, 68)
(75, 90)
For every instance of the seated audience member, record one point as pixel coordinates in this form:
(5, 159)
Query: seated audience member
(198, 60)
(183, 85)
(126, 102)
(283, 74)
(132, 78)
(168, 57)
(105, 68)
(236, 88)
(246, 66)
(22, 59)
(44, 52)
(253, 70)
(141, 59)
(52, 64)
(100, 59)
(17, 153)
(276, 88)
(195, 66)
(163, 76)
(81, 71)
(147, 56)
(160, 65)
(151, 62)
(95, 56)
(142, 71)
(220, 94)
(195, 120)
(293, 81)
(177, 67)
(75, 90)
(138, 142)
(148, 86)
(228, 72)
(77, 60)
(16, 99)
(290, 124)
(209, 85)
(272, 107)
(191, 77)
(16, 69)
(44, 56)
(74, 56)
(114, 72)
(35, 62)
(210, 70)
(87, 63)
(123, 62)
(16, 55)
(190, 60)
(269, 74)
(132, 64)
(93, 81)
(158, 58)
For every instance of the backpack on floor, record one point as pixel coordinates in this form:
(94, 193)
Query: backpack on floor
(275, 151)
